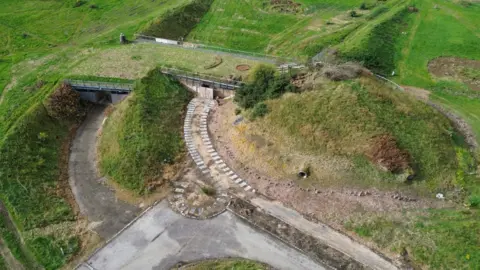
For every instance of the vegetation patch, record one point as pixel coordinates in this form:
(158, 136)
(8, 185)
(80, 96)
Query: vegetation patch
(29, 158)
(263, 83)
(142, 139)
(462, 70)
(224, 264)
(378, 49)
(177, 23)
(365, 120)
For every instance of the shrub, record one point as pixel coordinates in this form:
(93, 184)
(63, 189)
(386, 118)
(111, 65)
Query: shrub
(259, 110)
(238, 111)
(363, 6)
(353, 14)
(209, 191)
(262, 83)
(474, 201)
(343, 72)
(65, 104)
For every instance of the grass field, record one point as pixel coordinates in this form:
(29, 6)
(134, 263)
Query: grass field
(134, 61)
(143, 136)
(256, 27)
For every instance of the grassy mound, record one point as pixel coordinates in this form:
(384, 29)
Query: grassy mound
(143, 136)
(348, 135)
(177, 23)
(381, 131)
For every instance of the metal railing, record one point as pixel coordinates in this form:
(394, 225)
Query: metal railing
(100, 86)
(215, 82)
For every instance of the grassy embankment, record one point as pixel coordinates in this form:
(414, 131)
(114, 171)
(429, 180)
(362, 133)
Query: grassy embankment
(142, 138)
(405, 42)
(257, 26)
(30, 140)
(441, 239)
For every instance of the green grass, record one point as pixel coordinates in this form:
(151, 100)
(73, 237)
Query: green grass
(441, 239)
(227, 264)
(140, 139)
(177, 23)
(13, 242)
(447, 31)
(140, 58)
(342, 119)
(3, 264)
(253, 26)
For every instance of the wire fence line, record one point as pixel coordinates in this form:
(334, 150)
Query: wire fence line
(218, 50)
(230, 84)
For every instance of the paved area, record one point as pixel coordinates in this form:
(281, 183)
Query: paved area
(107, 215)
(161, 238)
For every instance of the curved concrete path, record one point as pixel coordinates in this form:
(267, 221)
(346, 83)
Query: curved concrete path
(106, 214)
(161, 238)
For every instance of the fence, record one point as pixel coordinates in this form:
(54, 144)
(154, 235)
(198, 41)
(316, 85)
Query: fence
(203, 47)
(100, 86)
(211, 81)
(391, 83)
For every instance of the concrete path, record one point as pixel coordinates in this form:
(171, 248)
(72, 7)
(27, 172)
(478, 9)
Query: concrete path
(106, 214)
(162, 238)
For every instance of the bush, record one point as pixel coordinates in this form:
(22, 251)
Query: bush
(65, 104)
(474, 201)
(238, 111)
(263, 83)
(209, 191)
(259, 110)
(363, 6)
(353, 14)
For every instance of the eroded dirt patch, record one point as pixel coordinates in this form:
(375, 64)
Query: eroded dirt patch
(459, 69)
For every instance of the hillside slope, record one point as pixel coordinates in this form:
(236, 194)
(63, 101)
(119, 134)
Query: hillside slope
(143, 135)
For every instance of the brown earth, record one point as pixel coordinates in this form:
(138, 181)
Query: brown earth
(456, 68)
(242, 67)
(385, 153)
(419, 93)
